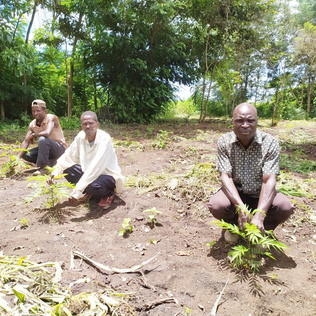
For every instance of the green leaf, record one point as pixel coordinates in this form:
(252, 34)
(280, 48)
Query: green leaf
(19, 295)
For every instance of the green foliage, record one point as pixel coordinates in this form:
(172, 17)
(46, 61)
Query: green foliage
(151, 216)
(13, 166)
(161, 139)
(53, 193)
(24, 222)
(291, 185)
(183, 109)
(248, 255)
(296, 164)
(127, 227)
(70, 123)
(187, 310)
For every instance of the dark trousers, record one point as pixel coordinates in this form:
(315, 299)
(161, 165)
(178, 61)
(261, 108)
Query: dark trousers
(46, 154)
(100, 188)
(280, 210)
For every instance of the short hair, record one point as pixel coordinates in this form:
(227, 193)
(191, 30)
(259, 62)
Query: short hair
(95, 117)
(40, 103)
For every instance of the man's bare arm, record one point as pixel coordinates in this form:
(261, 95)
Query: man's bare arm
(232, 193)
(50, 126)
(266, 197)
(27, 141)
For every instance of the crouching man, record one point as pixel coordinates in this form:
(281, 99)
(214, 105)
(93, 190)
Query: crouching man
(248, 162)
(91, 164)
(51, 142)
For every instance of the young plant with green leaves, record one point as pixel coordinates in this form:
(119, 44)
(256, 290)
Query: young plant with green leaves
(13, 166)
(211, 244)
(254, 246)
(161, 139)
(127, 227)
(151, 216)
(53, 192)
(24, 223)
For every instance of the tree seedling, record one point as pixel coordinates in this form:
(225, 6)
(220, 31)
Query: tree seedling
(151, 216)
(249, 254)
(187, 310)
(24, 223)
(126, 227)
(53, 193)
(12, 166)
(211, 244)
(161, 139)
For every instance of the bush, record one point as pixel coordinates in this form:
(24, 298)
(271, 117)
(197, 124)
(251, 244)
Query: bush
(70, 123)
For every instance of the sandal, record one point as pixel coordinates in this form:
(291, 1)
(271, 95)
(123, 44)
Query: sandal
(106, 202)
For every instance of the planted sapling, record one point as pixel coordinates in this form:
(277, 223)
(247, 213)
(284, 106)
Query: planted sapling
(151, 216)
(13, 166)
(255, 245)
(24, 223)
(211, 244)
(126, 227)
(54, 192)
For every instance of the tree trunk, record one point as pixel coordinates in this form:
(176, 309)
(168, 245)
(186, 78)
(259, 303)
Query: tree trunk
(31, 23)
(2, 112)
(95, 96)
(202, 101)
(310, 89)
(72, 66)
(26, 43)
(208, 93)
(206, 102)
(302, 92)
(207, 66)
(279, 95)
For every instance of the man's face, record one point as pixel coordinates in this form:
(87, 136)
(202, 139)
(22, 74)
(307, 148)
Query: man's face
(89, 126)
(38, 113)
(245, 124)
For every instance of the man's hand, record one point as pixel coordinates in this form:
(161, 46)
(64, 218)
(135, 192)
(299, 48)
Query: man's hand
(73, 201)
(242, 219)
(50, 180)
(258, 219)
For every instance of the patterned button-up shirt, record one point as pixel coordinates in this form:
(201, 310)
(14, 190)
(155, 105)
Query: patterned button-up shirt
(247, 166)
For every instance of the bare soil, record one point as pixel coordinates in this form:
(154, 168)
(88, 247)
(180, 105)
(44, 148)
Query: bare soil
(185, 271)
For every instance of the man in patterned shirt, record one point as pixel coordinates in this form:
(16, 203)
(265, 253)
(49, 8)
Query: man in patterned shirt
(248, 162)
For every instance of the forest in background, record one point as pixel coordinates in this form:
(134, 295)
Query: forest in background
(125, 58)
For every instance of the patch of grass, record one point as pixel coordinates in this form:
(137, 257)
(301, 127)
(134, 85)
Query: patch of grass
(290, 185)
(205, 136)
(296, 164)
(146, 183)
(12, 167)
(196, 185)
(297, 136)
(161, 139)
(128, 143)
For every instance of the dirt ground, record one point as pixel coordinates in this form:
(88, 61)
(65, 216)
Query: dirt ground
(186, 277)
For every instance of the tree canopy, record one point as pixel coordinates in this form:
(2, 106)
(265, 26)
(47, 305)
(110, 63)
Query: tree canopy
(124, 58)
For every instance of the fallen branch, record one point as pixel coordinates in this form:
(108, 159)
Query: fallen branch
(158, 302)
(145, 283)
(214, 309)
(107, 268)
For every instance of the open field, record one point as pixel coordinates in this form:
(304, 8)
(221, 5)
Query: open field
(171, 166)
